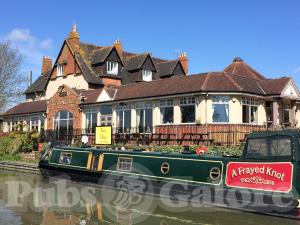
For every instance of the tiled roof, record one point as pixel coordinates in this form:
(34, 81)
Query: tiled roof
(27, 108)
(239, 67)
(274, 86)
(101, 54)
(89, 74)
(135, 62)
(167, 68)
(90, 96)
(39, 85)
(208, 82)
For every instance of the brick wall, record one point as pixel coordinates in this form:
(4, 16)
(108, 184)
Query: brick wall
(64, 99)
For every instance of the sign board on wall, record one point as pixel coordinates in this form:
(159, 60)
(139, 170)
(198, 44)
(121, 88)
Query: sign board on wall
(276, 176)
(103, 135)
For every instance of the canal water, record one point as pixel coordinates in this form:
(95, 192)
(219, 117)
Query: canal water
(31, 199)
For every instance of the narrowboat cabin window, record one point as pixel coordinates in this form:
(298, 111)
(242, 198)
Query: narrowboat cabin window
(65, 158)
(250, 110)
(269, 147)
(220, 109)
(166, 111)
(187, 109)
(124, 164)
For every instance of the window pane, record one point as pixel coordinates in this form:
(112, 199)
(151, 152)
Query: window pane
(140, 119)
(253, 114)
(246, 114)
(167, 115)
(148, 120)
(257, 148)
(106, 110)
(281, 146)
(220, 113)
(63, 115)
(187, 114)
(127, 120)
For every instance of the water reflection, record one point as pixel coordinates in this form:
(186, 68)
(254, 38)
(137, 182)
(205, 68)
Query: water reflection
(101, 206)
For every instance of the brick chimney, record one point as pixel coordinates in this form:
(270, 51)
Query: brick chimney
(46, 65)
(73, 38)
(184, 61)
(119, 48)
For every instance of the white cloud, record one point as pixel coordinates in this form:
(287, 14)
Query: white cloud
(30, 46)
(297, 70)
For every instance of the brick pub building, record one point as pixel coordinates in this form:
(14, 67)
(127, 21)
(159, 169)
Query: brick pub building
(90, 85)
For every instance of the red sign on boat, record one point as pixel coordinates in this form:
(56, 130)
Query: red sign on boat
(275, 176)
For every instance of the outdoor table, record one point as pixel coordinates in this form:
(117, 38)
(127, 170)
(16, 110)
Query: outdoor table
(160, 137)
(195, 138)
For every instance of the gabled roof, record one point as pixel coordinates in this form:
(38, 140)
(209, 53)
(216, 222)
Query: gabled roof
(239, 67)
(135, 62)
(274, 86)
(90, 76)
(101, 54)
(167, 68)
(27, 108)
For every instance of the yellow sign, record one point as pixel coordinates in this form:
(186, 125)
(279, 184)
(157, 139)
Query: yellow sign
(103, 135)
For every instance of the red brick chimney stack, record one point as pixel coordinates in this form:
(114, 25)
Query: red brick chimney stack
(73, 38)
(46, 65)
(184, 61)
(119, 48)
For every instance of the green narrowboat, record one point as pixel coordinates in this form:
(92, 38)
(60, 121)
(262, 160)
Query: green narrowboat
(265, 179)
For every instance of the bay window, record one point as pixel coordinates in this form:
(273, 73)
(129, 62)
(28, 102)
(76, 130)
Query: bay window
(144, 117)
(123, 111)
(166, 111)
(250, 110)
(220, 109)
(187, 109)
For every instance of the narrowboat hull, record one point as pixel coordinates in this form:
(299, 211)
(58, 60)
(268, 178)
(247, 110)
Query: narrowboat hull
(200, 179)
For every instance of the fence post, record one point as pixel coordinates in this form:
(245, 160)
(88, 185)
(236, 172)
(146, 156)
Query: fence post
(234, 137)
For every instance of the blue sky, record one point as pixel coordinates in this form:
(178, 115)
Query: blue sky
(266, 34)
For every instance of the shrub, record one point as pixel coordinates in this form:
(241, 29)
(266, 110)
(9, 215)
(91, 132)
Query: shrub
(18, 142)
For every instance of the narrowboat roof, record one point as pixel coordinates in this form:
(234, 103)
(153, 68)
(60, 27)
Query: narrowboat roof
(287, 132)
(144, 153)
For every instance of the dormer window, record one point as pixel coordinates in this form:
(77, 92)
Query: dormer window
(147, 75)
(112, 67)
(60, 70)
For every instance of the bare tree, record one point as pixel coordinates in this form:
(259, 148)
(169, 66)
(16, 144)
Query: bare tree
(12, 82)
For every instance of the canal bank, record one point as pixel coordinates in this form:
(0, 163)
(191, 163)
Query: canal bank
(20, 166)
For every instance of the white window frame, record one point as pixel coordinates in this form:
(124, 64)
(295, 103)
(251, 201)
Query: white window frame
(147, 75)
(250, 102)
(220, 100)
(112, 67)
(165, 103)
(187, 101)
(60, 70)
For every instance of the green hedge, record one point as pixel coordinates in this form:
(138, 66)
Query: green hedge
(18, 142)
